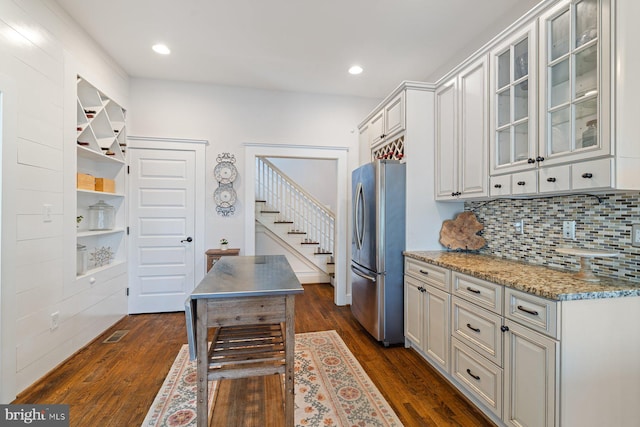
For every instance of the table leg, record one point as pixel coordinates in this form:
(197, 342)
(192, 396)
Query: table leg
(202, 403)
(289, 354)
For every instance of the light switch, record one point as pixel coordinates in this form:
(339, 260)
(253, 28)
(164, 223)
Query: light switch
(46, 212)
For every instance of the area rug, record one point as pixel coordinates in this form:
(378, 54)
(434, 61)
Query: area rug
(331, 388)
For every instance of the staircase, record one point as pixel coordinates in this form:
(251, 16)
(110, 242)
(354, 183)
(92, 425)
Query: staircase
(294, 218)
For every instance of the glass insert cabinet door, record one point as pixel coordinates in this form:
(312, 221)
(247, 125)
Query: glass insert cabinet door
(514, 96)
(571, 56)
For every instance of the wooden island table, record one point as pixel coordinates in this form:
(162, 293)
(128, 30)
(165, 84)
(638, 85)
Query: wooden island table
(249, 300)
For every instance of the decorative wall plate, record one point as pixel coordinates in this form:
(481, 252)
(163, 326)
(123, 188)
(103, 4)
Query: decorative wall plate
(225, 172)
(225, 196)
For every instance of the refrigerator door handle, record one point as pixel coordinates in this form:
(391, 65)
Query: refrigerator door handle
(358, 212)
(361, 274)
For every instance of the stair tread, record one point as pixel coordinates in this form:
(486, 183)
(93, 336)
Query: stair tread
(296, 232)
(283, 222)
(310, 243)
(269, 211)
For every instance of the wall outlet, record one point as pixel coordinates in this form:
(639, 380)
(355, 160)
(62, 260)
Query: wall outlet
(635, 235)
(569, 230)
(55, 320)
(519, 226)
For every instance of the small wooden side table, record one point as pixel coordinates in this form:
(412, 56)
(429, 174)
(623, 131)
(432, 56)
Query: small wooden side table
(214, 255)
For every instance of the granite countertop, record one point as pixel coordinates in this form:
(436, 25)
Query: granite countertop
(535, 279)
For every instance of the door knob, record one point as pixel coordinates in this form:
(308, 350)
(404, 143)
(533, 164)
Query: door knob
(188, 239)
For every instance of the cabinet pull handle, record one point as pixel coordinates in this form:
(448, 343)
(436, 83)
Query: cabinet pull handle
(521, 183)
(472, 328)
(540, 159)
(552, 179)
(497, 186)
(587, 175)
(531, 161)
(526, 310)
(424, 272)
(474, 376)
(470, 289)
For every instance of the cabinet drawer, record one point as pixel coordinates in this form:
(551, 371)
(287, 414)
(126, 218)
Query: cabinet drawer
(477, 375)
(555, 179)
(431, 274)
(524, 182)
(590, 175)
(485, 294)
(500, 185)
(532, 311)
(478, 328)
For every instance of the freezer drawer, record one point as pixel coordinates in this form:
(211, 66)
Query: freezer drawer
(365, 301)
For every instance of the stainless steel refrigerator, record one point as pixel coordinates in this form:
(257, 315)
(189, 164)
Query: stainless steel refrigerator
(378, 239)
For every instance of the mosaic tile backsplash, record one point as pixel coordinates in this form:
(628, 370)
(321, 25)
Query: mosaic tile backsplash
(602, 225)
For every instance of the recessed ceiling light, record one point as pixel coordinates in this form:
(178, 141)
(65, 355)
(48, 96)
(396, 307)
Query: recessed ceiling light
(356, 69)
(160, 48)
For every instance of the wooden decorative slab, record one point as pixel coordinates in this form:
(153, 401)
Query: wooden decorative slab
(461, 233)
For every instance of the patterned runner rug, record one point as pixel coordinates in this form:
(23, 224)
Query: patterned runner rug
(331, 388)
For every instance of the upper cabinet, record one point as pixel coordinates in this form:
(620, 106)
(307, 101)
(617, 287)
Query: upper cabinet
(461, 134)
(387, 122)
(513, 88)
(574, 81)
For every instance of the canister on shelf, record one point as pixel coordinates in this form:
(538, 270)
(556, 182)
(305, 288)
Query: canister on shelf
(82, 259)
(101, 216)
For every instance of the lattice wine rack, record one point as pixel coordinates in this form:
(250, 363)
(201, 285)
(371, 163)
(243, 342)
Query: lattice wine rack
(392, 150)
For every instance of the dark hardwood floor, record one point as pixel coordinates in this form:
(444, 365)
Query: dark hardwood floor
(114, 384)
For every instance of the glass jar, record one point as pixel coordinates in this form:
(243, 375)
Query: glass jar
(82, 259)
(590, 135)
(101, 216)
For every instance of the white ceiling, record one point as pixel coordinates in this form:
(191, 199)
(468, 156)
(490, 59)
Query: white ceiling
(294, 45)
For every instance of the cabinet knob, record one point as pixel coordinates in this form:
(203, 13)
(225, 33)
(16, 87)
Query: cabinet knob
(531, 161)
(587, 175)
(540, 159)
(504, 328)
(497, 186)
(521, 183)
(552, 179)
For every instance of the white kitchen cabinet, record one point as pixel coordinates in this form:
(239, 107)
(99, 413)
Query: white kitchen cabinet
(461, 169)
(388, 122)
(427, 307)
(100, 153)
(575, 61)
(530, 381)
(528, 360)
(513, 102)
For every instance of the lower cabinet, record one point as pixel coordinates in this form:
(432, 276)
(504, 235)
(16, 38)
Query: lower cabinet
(488, 341)
(530, 381)
(522, 359)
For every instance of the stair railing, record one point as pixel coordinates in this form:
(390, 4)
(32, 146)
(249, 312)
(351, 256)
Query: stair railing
(295, 204)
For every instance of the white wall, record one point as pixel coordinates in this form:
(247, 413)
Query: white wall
(229, 117)
(316, 176)
(41, 50)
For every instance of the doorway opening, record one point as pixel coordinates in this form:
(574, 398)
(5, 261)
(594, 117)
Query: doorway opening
(338, 155)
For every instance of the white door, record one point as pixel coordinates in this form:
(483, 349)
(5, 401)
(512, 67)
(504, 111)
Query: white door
(162, 229)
